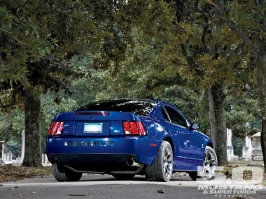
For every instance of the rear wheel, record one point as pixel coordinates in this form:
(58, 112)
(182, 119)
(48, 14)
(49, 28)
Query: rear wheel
(123, 176)
(61, 174)
(162, 167)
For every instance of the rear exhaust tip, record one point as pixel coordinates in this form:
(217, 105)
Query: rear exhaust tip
(131, 162)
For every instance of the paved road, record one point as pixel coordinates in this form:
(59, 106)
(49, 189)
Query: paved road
(107, 187)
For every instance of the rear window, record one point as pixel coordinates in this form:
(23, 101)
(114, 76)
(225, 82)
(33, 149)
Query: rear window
(139, 107)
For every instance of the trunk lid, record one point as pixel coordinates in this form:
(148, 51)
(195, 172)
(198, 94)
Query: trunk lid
(94, 123)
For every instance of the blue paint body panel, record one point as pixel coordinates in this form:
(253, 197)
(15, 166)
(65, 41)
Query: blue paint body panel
(109, 144)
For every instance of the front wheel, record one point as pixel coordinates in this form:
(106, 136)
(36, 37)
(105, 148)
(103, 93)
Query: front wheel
(208, 169)
(162, 167)
(210, 163)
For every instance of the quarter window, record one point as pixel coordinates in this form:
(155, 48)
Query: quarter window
(165, 115)
(175, 117)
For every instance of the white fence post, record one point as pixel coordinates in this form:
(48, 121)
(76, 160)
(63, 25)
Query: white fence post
(45, 161)
(42, 158)
(23, 145)
(10, 156)
(3, 151)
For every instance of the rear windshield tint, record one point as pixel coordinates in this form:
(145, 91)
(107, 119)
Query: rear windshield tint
(139, 107)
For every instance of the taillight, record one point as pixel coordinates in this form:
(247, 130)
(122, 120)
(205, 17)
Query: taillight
(133, 128)
(56, 128)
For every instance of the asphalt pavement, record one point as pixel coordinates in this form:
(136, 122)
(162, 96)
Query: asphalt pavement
(96, 186)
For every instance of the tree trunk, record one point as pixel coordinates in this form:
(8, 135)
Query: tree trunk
(221, 134)
(211, 115)
(261, 80)
(263, 142)
(32, 104)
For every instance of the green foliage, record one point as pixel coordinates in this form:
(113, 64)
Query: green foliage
(241, 113)
(238, 144)
(36, 46)
(14, 147)
(11, 125)
(247, 20)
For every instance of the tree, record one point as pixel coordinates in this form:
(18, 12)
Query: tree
(247, 20)
(36, 44)
(214, 60)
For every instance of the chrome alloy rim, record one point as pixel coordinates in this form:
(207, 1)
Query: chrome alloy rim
(168, 162)
(209, 165)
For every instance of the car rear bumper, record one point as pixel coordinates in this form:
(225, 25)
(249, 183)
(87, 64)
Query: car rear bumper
(63, 158)
(116, 150)
(106, 163)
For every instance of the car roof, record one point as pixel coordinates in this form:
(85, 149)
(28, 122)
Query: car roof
(130, 99)
(157, 102)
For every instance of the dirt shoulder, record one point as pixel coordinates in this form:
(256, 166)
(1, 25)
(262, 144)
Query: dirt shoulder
(14, 173)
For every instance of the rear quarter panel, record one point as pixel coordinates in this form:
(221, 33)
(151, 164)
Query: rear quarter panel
(156, 134)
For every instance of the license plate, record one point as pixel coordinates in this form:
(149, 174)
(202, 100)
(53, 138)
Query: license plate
(93, 127)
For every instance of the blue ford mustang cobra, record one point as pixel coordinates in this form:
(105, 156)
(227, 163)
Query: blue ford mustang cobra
(126, 137)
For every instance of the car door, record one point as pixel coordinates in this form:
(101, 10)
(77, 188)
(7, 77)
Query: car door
(182, 137)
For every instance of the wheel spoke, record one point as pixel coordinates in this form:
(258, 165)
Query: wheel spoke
(209, 164)
(167, 169)
(212, 161)
(167, 162)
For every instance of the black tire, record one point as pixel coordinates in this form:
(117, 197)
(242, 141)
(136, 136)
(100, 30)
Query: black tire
(72, 176)
(193, 175)
(62, 174)
(123, 176)
(162, 167)
(59, 173)
(210, 163)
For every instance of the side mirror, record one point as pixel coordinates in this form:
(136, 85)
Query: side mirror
(195, 126)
